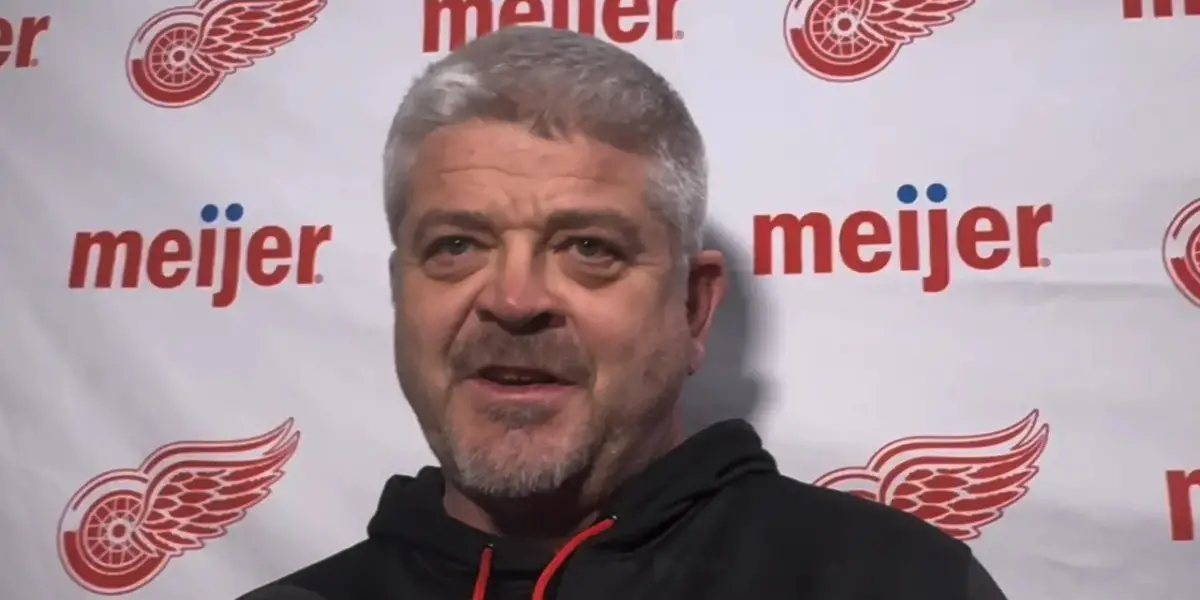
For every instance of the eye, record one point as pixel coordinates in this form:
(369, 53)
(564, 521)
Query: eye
(593, 249)
(455, 245)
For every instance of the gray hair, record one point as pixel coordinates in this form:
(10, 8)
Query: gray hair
(558, 83)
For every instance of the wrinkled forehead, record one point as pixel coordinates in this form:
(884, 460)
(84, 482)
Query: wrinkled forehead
(505, 168)
(513, 149)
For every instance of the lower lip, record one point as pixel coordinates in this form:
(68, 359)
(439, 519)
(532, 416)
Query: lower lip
(535, 394)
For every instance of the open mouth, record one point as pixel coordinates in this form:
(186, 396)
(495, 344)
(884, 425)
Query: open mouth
(519, 376)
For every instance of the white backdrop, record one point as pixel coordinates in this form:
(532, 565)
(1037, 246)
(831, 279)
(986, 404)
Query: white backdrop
(138, 425)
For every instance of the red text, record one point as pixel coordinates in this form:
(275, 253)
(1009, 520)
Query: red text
(983, 238)
(212, 258)
(622, 22)
(17, 42)
(1179, 504)
(1160, 9)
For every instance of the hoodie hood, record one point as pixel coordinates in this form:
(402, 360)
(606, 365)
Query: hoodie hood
(640, 511)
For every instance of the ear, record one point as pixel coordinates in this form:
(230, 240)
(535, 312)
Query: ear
(706, 285)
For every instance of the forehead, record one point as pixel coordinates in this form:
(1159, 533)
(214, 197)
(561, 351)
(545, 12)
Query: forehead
(506, 161)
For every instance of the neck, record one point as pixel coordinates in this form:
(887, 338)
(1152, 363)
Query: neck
(555, 516)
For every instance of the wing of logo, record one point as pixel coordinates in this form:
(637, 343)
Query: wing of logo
(850, 40)
(181, 55)
(121, 529)
(1181, 251)
(958, 483)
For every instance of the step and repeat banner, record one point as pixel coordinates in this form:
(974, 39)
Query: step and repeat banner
(963, 232)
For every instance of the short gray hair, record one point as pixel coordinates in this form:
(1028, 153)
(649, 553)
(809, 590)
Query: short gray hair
(558, 82)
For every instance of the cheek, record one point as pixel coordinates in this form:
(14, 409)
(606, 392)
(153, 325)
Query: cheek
(622, 336)
(427, 320)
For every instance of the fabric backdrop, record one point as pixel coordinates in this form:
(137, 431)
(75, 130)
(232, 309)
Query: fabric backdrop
(963, 235)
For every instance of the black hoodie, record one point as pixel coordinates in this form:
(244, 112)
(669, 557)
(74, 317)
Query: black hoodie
(711, 520)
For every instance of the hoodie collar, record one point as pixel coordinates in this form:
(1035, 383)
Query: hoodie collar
(411, 508)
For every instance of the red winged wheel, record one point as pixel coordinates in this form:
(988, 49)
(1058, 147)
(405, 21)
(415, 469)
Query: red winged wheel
(849, 40)
(958, 483)
(122, 528)
(181, 55)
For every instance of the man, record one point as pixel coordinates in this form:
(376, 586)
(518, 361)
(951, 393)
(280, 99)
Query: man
(545, 192)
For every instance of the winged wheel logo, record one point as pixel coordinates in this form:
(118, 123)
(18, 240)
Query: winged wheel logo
(181, 55)
(1181, 251)
(122, 528)
(958, 483)
(850, 40)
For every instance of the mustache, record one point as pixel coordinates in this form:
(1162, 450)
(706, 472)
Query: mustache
(551, 352)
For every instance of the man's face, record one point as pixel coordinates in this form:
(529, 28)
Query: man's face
(540, 319)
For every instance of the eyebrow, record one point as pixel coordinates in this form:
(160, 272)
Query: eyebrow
(627, 229)
(460, 219)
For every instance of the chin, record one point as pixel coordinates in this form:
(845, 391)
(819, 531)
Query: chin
(518, 466)
(514, 462)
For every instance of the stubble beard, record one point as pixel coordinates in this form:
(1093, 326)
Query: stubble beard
(530, 458)
(524, 461)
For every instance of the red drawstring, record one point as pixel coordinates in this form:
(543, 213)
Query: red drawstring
(485, 571)
(543, 582)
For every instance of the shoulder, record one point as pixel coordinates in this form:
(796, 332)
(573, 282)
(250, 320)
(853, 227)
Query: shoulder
(843, 544)
(336, 577)
(845, 522)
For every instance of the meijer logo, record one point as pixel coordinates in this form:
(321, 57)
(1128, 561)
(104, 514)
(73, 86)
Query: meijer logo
(212, 258)
(621, 21)
(17, 41)
(983, 238)
(1181, 512)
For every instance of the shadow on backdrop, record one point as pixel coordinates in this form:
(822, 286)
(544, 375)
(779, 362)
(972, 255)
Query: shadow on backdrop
(727, 386)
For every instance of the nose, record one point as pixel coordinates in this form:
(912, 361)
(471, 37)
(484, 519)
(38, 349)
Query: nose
(517, 298)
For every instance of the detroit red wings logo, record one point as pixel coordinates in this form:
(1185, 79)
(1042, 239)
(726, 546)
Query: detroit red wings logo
(849, 40)
(122, 528)
(958, 483)
(182, 55)
(1181, 251)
